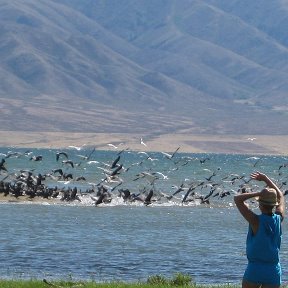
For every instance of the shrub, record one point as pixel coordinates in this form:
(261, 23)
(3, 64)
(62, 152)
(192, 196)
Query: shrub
(181, 280)
(157, 280)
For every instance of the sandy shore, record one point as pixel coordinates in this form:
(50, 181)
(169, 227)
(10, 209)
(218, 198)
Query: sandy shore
(235, 144)
(11, 199)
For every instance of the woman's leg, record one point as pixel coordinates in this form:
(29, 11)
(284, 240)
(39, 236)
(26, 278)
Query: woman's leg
(247, 284)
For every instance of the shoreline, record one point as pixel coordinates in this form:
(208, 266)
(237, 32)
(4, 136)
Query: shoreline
(25, 199)
(188, 143)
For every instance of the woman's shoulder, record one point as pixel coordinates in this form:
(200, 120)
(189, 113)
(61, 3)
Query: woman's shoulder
(274, 217)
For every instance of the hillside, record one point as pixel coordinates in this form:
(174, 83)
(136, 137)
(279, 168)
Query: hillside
(146, 66)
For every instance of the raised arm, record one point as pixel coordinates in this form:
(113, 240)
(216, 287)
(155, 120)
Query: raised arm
(243, 208)
(280, 209)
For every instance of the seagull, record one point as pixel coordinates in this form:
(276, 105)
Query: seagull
(165, 177)
(142, 142)
(76, 147)
(92, 162)
(112, 145)
(152, 159)
(143, 152)
(170, 156)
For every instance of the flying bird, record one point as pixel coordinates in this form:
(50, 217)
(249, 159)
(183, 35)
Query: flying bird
(142, 142)
(68, 162)
(58, 154)
(76, 147)
(170, 156)
(112, 145)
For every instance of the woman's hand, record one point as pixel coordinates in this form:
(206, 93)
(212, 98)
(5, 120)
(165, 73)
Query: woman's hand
(258, 176)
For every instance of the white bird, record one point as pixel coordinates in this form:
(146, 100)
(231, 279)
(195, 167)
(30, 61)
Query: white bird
(152, 159)
(112, 145)
(165, 177)
(143, 152)
(142, 142)
(104, 170)
(170, 156)
(92, 162)
(76, 147)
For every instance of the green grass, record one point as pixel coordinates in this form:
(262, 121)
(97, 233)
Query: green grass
(62, 284)
(155, 281)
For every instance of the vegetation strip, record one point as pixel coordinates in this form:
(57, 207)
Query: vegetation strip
(178, 280)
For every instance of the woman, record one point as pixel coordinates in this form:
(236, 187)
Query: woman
(264, 234)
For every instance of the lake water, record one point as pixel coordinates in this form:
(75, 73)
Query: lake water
(131, 241)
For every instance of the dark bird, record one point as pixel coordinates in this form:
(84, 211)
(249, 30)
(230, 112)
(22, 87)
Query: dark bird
(49, 283)
(58, 154)
(202, 161)
(100, 199)
(180, 189)
(114, 164)
(282, 166)
(103, 196)
(256, 162)
(125, 194)
(90, 154)
(2, 167)
(173, 154)
(147, 200)
(119, 184)
(117, 170)
(191, 188)
(36, 158)
(209, 194)
(209, 178)
(68, 162)
(60, 171)
(67, 176)
(39, 179)
(224, 194)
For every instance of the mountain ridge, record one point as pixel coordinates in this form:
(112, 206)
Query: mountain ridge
(205, 66)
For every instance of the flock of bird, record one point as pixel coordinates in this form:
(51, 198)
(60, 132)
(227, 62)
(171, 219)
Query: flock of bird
(74, 177)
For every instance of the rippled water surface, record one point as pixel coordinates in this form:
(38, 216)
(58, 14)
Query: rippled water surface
(131, 242)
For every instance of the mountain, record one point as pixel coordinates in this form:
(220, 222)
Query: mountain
(145, 66)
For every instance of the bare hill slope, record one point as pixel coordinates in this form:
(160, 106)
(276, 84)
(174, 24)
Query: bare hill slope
(146, 66)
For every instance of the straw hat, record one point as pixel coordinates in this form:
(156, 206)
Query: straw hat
(268, 197)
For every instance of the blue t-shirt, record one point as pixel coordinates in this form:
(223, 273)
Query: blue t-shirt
(262, 251)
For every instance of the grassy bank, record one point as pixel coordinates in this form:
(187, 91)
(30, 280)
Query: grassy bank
(63, 284)
(157, 281)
